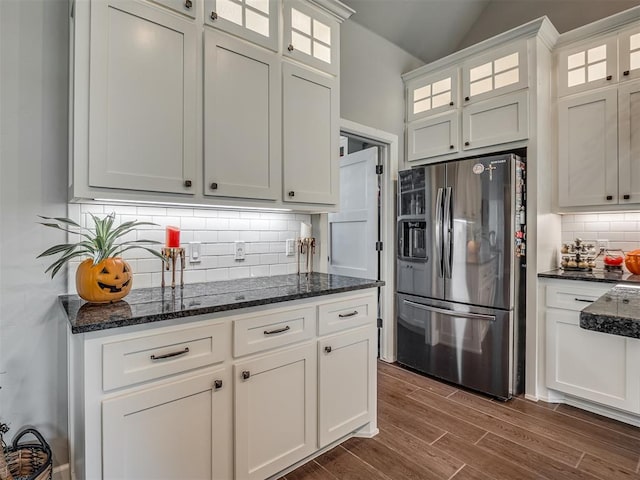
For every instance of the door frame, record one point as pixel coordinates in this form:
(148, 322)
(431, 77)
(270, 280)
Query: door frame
(388, 143)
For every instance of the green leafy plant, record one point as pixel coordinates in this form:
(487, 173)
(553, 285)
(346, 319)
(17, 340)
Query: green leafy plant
(98, 243)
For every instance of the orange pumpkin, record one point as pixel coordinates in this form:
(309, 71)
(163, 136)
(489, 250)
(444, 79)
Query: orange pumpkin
(106, 282)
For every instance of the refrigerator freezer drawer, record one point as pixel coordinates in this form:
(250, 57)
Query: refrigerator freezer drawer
(458, 343)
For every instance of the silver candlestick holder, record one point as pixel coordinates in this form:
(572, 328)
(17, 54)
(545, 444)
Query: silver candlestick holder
(306, 247)
(173, 254)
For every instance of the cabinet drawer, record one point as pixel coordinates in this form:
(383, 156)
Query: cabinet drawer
(264, 332)
(350, 313)
(149, 357)
(574, 297)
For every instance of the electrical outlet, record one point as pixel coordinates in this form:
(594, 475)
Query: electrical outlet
(195, 252)
(603, 244)
(239, 249)
(290, 247)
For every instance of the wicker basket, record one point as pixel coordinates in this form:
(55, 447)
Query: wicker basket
(26, 461)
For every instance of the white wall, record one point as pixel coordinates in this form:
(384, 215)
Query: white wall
(371, 89)
(33, 175)
(502, 15)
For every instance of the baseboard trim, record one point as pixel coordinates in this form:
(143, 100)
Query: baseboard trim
(367, 433)
(619, 415)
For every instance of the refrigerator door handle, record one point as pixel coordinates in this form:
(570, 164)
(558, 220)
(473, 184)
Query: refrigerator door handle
(451, 313)
(447, 234)
(439, 255)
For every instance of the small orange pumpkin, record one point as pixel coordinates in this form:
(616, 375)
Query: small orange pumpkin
(108, 281)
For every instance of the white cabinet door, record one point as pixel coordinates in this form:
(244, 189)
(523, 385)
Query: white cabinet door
(177, 430)
(629, 54)
(432, 94)
(142, 102)
(610, 377)
(587, 66)
(311, 36)
(186, 7)
(275, 411)
(433, 136)
(311, 136)
(495, 73)
(499, 120)
(256, 21)
(588, 149)
(346, 387)
(241, 119)
(629, 146)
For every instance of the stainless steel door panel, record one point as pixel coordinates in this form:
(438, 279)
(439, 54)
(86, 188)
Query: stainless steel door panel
(480, 240)
(458, 343)
(434, 179)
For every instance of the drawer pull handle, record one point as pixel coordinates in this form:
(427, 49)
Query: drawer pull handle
(583, 300)
(170, 355)
(327, 349)
(217, 384)
(279, 330)
(246, 374)
(345, 315)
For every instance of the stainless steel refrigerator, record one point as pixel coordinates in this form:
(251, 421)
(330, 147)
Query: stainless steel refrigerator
(460, 272)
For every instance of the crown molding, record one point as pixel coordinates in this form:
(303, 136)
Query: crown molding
(336, 8)
(601, 27)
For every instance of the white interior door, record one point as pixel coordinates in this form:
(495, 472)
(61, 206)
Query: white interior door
(353, 231)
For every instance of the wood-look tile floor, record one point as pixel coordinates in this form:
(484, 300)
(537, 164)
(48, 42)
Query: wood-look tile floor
(433, 431)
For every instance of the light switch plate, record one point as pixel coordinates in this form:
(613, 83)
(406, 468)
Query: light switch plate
(239, 249)
(195, 251)
(290, 247)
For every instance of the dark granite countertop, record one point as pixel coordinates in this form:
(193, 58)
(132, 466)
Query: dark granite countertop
(617, 312)
(601, 276)
(155, 304)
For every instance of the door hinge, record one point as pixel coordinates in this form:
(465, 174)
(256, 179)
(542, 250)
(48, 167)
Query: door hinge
(379, 169)
(379, 323)
(379, 246)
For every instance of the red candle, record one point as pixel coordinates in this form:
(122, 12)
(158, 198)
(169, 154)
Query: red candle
(173, 237)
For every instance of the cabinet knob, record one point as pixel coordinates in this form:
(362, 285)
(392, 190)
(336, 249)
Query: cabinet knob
(609, 77)
(451, 147)
(246, 374)
(626, 196)
(466, 99)
(451, 104)
(609, 197)
(466, 144)
(187, 183)
(188, 3)
(213, 16)
(626, 73)
(327, 349)
(213, 186)
(290, 47)
(217, 384)
(292, 193)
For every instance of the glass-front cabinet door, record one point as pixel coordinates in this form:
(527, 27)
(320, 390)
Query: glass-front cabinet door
(629, 54)
(253, 20)
(311, 36)
(432, 94)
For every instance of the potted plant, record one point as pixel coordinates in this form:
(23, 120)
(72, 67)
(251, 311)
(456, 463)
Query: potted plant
(104, 277)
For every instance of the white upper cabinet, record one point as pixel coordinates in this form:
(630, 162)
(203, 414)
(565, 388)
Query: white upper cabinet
(142, 103)
(432, 94)
(311, 36)
(310, 136)
(495, 73)
(587, 65)
(241, 150)
(629, 142)
(433, 136)
(588, 149)
(253, 20)
(629, 54)
(186, 7)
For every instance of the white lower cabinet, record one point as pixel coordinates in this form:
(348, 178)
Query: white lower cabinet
(346, 392)
(588, 365)
(275, 411)
(173, 430)
(238, 396)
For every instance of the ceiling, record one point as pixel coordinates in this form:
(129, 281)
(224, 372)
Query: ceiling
(432, 29)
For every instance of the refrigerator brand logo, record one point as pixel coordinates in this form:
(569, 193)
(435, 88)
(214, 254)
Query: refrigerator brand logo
(493, 162)
(478, 168)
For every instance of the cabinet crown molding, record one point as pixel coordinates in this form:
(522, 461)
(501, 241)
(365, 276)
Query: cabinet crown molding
(600, 27)
(336, 8)
(541, 27)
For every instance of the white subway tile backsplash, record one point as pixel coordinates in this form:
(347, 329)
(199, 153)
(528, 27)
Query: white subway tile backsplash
(263, 232)
(622, 230)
